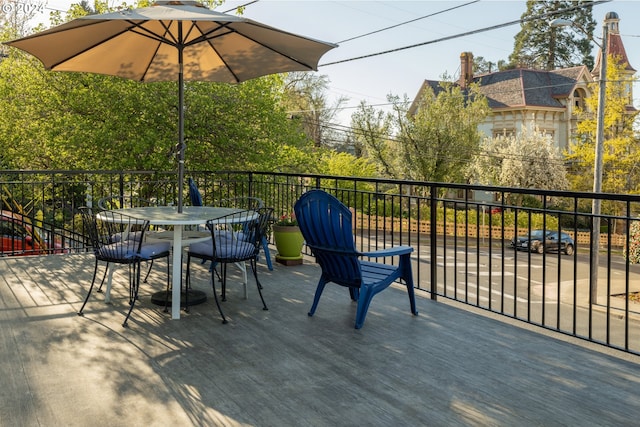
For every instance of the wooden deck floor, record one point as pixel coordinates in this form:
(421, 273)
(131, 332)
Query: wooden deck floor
(449, 366)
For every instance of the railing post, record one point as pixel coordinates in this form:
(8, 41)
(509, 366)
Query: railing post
(433, 243)
(121, 185)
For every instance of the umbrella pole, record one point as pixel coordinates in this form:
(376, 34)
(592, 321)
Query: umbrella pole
(180, 137)
(180, 118)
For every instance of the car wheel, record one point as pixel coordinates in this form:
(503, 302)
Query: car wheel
(568, 250)
(540, 248)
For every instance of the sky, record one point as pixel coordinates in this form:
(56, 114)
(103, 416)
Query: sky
(403, 70)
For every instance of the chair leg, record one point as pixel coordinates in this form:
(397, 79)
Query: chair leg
(223, 274)
(366, 295)
(215, 296)
(407, 276)
(134, 285)
(148, 271)
(267, 254)
(132, 293)
(187, 284)
(316, 298)
(104, 276)
(93, 281)
(254, 267)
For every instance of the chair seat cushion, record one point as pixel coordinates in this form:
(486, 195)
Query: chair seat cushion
(153, 250)
(202, 248)
(118, 252)
(232, 250)
(225, 249)
(131, 235)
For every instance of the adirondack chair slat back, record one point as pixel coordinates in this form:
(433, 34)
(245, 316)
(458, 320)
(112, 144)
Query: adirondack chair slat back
(326, 224)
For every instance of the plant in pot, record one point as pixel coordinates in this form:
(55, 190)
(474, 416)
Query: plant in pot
(289, 240)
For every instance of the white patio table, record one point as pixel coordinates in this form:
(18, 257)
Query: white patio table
(169, 215)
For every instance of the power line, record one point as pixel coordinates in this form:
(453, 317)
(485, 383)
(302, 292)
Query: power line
(242, 5)
(469, 33)
(407, 22)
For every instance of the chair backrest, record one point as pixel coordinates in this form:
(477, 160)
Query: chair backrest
(194, 193)
(238, 236)
(258, 229)
(326, 226)
(114, 237)
(248, 203)
(122, 202)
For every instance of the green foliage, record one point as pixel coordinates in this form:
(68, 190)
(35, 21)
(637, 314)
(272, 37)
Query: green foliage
(632, 253)
(621, 148)
(372, 129)
(526, 218)
(306, 100)
(538, 45)
(436, 143)
(55, 120)
(344, 164)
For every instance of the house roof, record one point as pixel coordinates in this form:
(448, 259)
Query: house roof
(520, 88)
(615, 48)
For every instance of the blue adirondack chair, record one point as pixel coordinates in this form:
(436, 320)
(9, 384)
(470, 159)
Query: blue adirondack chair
(326, 225)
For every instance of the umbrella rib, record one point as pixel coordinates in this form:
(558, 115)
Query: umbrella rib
(52, 67)
(204, 37)
(144, 32)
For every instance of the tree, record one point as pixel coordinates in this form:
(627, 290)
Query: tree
(55, 120)
(15, 17)
(483, 66)
(540, 46)
(526, 160)
(621, 146)
(434, 144)
(372, 131)
(306, 99)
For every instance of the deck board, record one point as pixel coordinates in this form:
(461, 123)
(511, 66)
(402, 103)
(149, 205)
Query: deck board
(448, 366)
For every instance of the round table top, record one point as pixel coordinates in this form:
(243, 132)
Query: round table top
(190, 215)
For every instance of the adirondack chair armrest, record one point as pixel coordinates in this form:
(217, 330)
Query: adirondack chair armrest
(394, 251)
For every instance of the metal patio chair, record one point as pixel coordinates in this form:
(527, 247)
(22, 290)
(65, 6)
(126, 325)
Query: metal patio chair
(234, 239)
(110, 239)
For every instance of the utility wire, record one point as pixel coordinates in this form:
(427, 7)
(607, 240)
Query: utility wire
(242, 5)
(469, 33)
(407, 22)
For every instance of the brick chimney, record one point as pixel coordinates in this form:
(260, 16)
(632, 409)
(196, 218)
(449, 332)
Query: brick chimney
(466, 69)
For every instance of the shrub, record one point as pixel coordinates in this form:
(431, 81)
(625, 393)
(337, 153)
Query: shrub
(632, 253)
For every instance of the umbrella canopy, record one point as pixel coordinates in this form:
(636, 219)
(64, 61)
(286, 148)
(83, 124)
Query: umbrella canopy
(173, 41)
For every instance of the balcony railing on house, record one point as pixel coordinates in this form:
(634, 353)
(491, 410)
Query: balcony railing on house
(461, 234)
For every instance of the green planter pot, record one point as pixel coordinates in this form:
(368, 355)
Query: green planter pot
(289, 243)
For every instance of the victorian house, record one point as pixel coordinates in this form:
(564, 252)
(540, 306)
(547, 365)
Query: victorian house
(538, 98)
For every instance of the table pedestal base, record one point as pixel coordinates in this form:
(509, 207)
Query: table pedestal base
(195, 297)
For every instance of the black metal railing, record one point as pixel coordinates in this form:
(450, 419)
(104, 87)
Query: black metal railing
(462, 236)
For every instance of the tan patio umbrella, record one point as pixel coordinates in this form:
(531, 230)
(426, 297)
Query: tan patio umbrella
(173, 41)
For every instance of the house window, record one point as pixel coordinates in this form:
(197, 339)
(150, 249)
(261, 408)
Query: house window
(578, 98)
(505, 133)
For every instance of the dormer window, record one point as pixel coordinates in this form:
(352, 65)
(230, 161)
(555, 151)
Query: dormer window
(579, 96)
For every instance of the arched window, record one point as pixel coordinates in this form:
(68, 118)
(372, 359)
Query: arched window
(578, 98)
